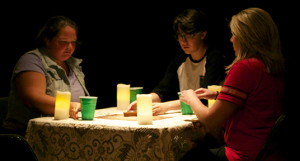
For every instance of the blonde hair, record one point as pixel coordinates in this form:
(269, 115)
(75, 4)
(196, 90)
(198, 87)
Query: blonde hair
(258, 38)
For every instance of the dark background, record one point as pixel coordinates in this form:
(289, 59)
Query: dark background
(126, 42)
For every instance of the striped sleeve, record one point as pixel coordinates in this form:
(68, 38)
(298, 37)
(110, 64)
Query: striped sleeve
(233, 95)
(237, 85)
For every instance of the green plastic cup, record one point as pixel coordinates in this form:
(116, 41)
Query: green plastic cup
(88, 107)
(134, 91)
(185, 109)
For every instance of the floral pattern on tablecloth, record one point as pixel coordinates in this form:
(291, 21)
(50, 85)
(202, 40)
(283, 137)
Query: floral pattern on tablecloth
(73, 141)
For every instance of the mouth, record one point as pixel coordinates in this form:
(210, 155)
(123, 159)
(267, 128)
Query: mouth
(68, 52)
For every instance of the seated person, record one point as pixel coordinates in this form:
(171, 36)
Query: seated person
(41, 72)
(200, 66)
(251, 98)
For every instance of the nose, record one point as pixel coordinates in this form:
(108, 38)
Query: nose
(183, 42)
(231, 39)
(70, 45)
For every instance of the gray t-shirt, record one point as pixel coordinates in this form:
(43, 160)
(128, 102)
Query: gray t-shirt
(31, 62)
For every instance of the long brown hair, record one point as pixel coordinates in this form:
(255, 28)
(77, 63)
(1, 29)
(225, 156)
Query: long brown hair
(259, 38)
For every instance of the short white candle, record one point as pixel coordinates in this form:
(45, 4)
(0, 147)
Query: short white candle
(123, 96)
(144, 109)
(62, 105)
(214, 88)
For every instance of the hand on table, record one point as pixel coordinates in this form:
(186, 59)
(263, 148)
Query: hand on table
(132, 106)
(158, 108)
(74, 108)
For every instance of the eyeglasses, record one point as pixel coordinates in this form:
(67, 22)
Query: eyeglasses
(65, 43)
(186, 37)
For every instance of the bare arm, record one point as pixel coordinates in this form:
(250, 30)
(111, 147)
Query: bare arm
(161, 108)
(211, 117)
(31, 87)
(155, 97)
(133, 105)
(158, 107)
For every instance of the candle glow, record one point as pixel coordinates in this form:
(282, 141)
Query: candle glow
(62, 105)
(123, 96)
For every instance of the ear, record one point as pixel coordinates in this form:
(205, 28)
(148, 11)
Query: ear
(203, 35)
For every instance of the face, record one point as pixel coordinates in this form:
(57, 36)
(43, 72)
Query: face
(190, 43)
(63, 45)
(236, 44)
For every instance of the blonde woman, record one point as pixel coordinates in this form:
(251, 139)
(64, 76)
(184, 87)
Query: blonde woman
(251, 98)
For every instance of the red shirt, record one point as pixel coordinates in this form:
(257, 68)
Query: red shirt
(259, 97)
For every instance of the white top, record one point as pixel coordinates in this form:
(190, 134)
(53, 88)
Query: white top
(189, 74)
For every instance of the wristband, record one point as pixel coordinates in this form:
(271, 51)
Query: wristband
(217, 95)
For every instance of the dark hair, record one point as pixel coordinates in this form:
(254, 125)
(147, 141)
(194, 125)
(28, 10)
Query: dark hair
(52, 28)
(191, 21)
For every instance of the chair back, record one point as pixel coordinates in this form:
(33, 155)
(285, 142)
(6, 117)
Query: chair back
(3, 109)
(275, 137)
(15, 147)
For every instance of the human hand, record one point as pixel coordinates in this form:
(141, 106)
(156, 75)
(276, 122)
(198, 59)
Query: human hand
(159, 108)
(132, 106)
(74, 108)
(188, 96)
(203, 93)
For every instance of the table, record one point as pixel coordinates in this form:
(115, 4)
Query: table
(110, 136)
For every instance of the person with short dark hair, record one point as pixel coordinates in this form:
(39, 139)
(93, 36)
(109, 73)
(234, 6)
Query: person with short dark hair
(200, 66)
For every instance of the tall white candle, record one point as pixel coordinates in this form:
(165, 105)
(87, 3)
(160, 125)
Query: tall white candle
(62, 105)
(144, 109)
(123, 96)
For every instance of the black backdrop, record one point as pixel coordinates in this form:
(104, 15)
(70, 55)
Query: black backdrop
(124, 42)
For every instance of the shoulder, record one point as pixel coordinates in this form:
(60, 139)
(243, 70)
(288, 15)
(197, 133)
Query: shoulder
(29, 58)
(213, 52)
(249, 69)
(30, 61)
(178, 60)
(214, 55)
(252, 64)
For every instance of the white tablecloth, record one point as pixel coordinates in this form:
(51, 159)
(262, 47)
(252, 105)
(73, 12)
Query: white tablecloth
(106, 138)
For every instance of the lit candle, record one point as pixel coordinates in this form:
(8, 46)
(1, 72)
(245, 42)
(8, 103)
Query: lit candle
(144, 109)
(214, 88)
(123, 96)
(62, 105)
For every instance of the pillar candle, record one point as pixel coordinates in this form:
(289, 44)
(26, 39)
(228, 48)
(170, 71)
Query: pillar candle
(144, 109)
(62, 105)
(123, 96)
(214, 88)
